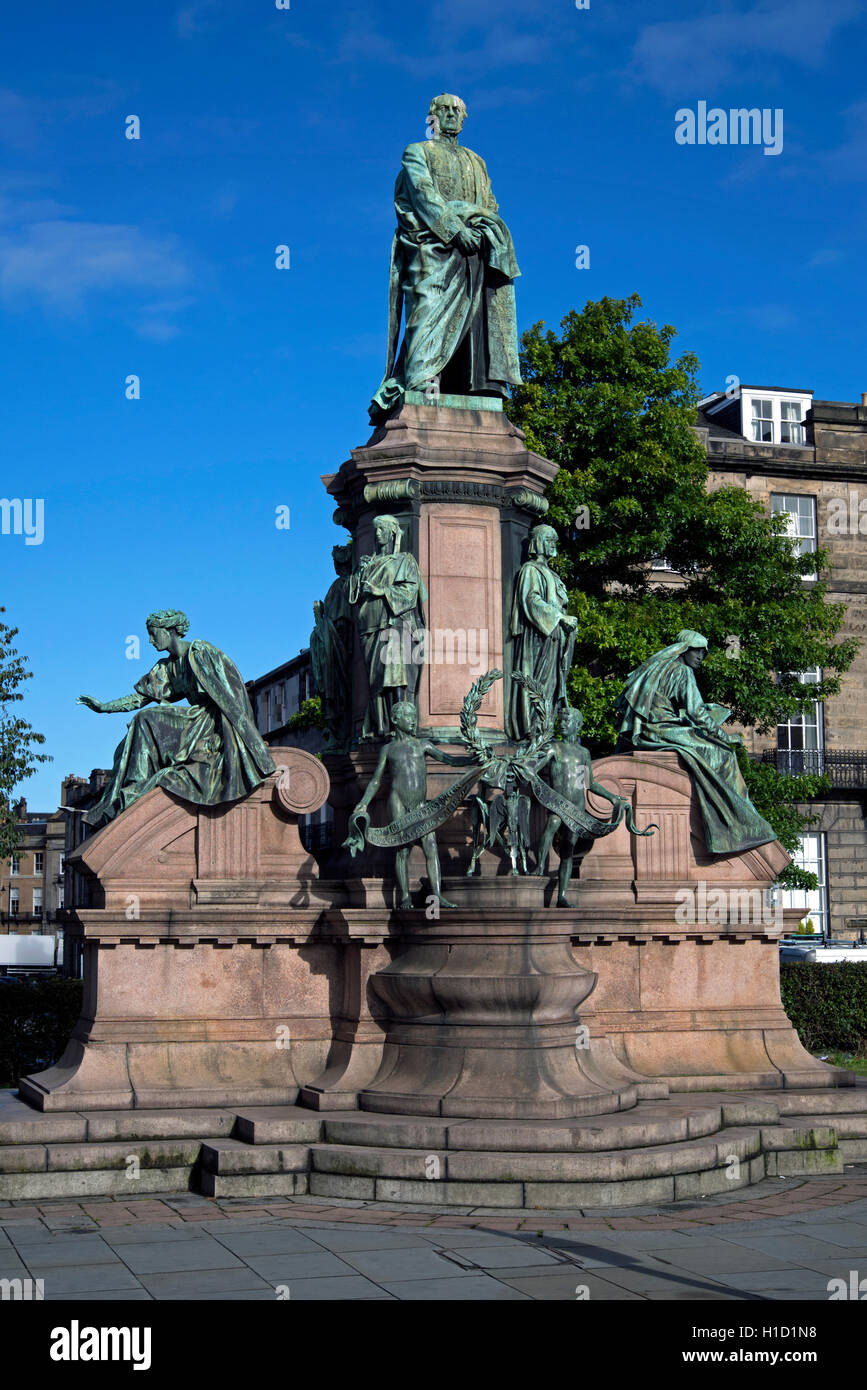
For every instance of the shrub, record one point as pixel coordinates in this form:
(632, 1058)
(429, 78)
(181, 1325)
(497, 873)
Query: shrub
(826, 1003)
(36, 1020)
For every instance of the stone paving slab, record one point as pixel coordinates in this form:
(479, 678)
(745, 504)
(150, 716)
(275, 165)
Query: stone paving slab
(782, 1242)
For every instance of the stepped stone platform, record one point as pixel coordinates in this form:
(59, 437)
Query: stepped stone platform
(659, 1151)
(250, 1028)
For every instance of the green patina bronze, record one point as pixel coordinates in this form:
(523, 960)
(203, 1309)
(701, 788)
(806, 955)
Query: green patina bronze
(387, 592)
(452, 274)
(331, 654)
(542, 632)
(208, 752)
(569, 776)
(412, 817)
(661, 708)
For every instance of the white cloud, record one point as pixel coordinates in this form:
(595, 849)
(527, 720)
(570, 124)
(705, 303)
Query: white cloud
(60, 263)
(699, 53)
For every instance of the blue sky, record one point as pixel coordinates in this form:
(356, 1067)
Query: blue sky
(262, 127)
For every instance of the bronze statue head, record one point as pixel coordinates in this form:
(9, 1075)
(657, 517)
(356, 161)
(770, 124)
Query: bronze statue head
(447, 113)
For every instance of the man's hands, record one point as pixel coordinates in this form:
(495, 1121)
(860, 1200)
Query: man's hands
(569, 621)
(469, 240)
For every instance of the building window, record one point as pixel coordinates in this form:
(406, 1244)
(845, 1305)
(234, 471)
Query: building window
(38, 863)
(811, 855)
(15, 866)
(13, 902)
(800, 513)
(763, 421)
(37, 902)
(801, 737)
(791, 429)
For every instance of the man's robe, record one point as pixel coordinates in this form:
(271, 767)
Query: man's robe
(541, 646)
(450, 300)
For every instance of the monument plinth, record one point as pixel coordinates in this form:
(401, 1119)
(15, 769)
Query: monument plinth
(466, 491)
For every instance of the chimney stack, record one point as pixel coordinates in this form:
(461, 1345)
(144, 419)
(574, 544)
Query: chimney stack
(864, 398)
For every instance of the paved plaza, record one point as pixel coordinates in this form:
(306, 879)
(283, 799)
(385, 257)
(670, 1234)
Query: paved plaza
(783, 1241)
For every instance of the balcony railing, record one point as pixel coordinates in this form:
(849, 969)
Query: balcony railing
(847, 769)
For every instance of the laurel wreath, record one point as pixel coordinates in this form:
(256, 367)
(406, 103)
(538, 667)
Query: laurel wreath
(543, 724)
(469, 724)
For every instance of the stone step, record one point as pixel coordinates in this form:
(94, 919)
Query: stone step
(690, 1156)
(847, 1101)
(100, 1182)
(541, 1196)
(21, 1124)
(232, 1156)
(253, 1184)
(65, 1158)
(278, 1124)
(647, 1124)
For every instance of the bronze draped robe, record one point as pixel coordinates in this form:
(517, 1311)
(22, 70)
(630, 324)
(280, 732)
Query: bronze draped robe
(541, 646)
(389, 592)
(208, 752)
(450, 300)
(661, 708)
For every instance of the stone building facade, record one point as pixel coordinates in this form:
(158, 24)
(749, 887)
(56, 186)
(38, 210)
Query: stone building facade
(276, 697)
(31, 881)
(808, 459)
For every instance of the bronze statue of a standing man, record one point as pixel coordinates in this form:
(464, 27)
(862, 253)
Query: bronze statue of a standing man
(331, 654)
(388, 591)
(452, 274)
(542, 631)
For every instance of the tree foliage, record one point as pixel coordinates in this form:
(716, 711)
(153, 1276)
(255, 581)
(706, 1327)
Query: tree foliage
(18, 739)
(605, 401)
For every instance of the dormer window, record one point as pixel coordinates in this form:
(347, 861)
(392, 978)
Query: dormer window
(791, 428)
(763, 421)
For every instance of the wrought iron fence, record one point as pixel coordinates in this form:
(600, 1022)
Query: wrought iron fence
(846, 768)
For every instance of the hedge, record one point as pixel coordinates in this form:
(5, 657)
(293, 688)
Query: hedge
(826, 1003)
(36, 1020)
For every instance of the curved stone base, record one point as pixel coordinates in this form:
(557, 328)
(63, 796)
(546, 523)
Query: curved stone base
(482, 1011)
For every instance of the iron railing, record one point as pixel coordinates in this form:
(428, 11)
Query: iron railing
(847, 769)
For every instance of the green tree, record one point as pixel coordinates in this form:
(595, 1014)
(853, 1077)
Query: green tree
(606, 403)
(18, 739)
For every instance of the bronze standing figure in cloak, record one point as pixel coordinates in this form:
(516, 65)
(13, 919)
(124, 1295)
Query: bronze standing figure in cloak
(331, 654)
(542, 631)
(452, 273)
(388, 592)
(661, 708)
(208, 751)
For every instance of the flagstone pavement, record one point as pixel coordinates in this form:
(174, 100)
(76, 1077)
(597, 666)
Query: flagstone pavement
(785, 1240)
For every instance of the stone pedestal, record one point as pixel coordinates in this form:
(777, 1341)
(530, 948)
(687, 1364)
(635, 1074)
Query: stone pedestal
(213, 972)
(483, 1011)
(466, 491)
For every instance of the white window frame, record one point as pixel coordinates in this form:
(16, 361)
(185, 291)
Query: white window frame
(794, 425)
(758, 417)
(14, 901)
(38, 904)
(38, 861)
(15, 866)
(803, 542)
(812, 854)
(803, 722)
